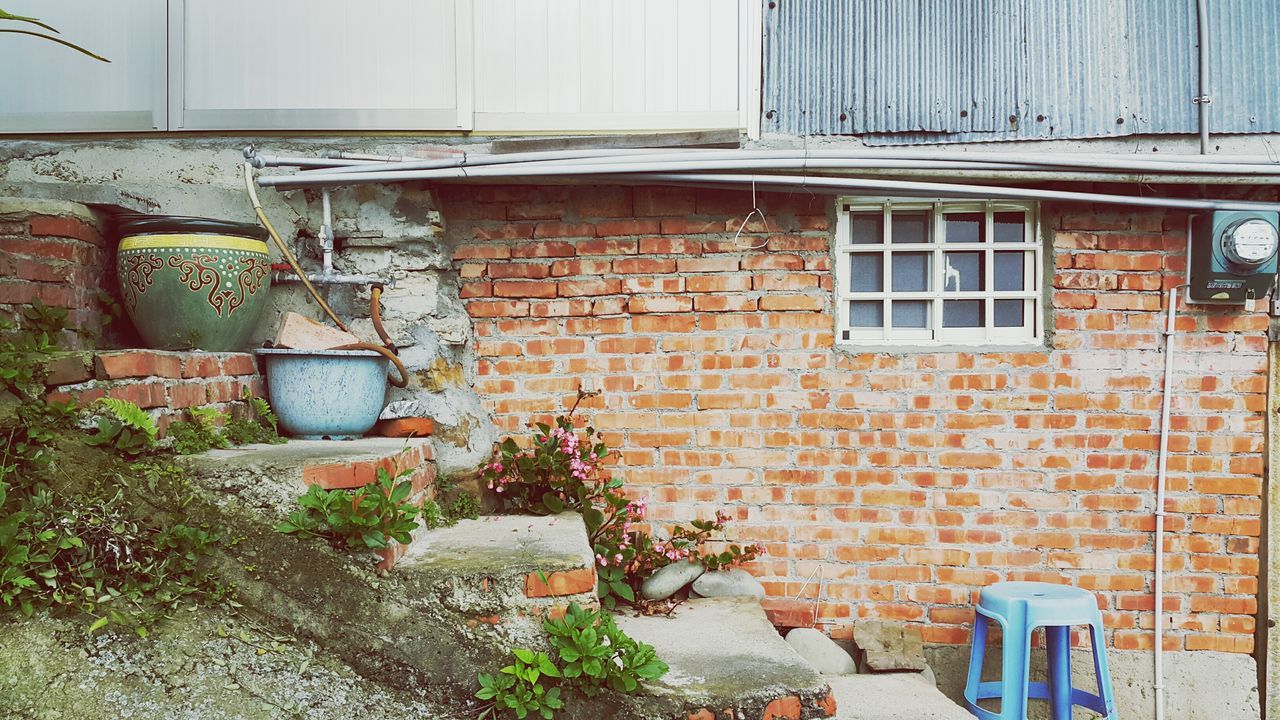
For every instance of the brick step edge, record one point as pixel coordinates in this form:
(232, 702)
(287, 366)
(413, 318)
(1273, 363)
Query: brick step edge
(164, 383)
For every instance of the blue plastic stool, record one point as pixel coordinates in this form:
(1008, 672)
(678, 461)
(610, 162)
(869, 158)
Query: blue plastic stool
(1020, 608)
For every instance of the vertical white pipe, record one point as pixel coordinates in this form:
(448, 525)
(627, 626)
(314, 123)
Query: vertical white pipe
(1161, 465)
(1202, 28)
(326, 232)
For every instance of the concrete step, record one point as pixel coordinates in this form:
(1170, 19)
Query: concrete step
(505, 569)
(892, 696)
(728, 661)
(271, 477)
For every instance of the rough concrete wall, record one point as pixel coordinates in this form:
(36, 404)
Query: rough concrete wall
(392, 232)
(913, 479)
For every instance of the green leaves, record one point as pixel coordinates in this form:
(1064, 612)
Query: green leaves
(589, 654)
(32, 21)
(125, 428)
(365, 517)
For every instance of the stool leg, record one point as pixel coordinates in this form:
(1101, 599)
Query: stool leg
(977, 653)
(1105, 691)
(1058, 644)
(1013, 671)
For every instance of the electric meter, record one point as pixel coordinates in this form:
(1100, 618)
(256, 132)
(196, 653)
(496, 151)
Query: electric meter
(1249, 243)
(1232, 256)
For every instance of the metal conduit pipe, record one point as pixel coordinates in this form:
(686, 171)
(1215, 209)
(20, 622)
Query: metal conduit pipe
(552, 170)
(466, 159)
(1204, 98)
(642, 172)
(1170, 163)
(934, 189)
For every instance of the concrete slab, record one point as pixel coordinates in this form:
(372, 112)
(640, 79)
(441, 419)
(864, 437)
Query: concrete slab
(892, 696)
(500, 545)
(724, 653)
(271, 477)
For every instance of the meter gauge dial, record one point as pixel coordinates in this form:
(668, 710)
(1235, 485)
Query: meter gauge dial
(1249, 243)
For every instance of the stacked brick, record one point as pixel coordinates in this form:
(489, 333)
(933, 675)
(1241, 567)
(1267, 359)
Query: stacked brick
(166, 382)
(54, 253)
(883, 485)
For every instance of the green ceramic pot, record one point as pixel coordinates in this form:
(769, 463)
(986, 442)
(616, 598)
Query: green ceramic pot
(192, 282)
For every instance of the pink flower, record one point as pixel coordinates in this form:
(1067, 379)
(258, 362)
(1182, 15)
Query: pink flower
(617, 558)
(497, 467)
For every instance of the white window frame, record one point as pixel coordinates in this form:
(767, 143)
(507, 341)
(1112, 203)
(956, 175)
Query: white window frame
(935, 336)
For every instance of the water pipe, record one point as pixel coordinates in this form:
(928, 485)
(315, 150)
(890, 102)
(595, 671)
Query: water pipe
(388, 349)
(1161, 466)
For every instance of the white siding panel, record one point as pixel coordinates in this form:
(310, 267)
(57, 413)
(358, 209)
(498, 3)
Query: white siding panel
(618, 64)
(323, 64)
(46, 87)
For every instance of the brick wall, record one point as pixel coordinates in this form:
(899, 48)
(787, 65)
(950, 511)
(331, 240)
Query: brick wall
(912, 479)
(167, 383)
(54, 252)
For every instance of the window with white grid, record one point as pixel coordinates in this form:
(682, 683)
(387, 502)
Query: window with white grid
(919, 273)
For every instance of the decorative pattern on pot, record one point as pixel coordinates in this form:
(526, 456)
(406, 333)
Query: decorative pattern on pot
(194, 290)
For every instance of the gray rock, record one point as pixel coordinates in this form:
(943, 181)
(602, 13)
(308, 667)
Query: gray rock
(728, 583)
(889, 646)
(821, 652)
(668, 580)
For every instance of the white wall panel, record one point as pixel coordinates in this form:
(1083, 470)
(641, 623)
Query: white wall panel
(608, 64)
(45, 87)
(317, 64)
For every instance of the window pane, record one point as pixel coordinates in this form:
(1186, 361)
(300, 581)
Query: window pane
(965, 227)
(866, 272)
(910, 227)
(866, 313)
(964, 271)
(1009, 271)
(1009, 313)
(1009, 226)
(962, 313)
(910, 272)
(911, 313)
(868, 228)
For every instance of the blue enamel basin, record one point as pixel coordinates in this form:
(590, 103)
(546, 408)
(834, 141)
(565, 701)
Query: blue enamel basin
(326, 394)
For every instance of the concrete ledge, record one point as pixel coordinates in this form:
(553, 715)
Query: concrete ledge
(725, 655)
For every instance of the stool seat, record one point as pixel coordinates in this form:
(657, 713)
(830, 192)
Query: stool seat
(1020, 608)
(1041, 603)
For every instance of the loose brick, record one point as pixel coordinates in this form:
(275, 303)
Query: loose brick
(560, 583)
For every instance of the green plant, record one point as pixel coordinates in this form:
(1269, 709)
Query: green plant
(517, 688)
(590, 654)
(200, 433)
(463, 506)
(562, 470)
(594, 653)
(125, 427)
(32, 21)
(363, 517)
(260, 427)
(82, 529)
(432, 516)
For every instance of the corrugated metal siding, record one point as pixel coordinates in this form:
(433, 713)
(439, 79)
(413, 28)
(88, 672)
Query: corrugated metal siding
(921, 71)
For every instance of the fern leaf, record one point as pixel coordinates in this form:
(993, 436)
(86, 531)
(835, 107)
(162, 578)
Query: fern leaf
(130, 415)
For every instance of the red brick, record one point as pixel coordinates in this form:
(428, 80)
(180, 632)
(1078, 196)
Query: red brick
(136, 363)
(406, 427)
(65, 227)
(785, 708)
(559, 583)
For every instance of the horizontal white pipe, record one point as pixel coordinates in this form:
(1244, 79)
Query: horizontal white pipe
(1224, 165)
(541, 169)
(933, 189)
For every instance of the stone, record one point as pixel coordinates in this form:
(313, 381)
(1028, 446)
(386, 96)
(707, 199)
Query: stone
(821, 652)
(668, 580)
(728, 583)
(302, 333)
(889, 646)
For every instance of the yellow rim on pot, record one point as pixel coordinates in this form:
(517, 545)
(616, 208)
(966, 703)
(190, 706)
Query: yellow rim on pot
(172, 240)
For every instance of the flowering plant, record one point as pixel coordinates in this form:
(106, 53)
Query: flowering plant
(561, 470)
